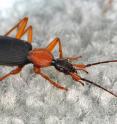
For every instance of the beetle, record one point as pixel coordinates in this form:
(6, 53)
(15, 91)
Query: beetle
(17, 52)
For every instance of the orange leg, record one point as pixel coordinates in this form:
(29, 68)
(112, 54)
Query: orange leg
(73, 58)
(80, 67)
(82, 70)
(52, 45)
(13, 72)
(21, 26)
(80, 79)
(57, 85)
(76, 78)
(21, 31)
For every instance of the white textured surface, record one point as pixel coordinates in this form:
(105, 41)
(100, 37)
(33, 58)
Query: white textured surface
(84, 30)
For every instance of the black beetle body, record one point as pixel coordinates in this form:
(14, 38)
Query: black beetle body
(13, 51)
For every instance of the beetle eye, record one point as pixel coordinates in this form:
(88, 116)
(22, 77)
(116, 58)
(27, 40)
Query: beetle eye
(53, 62)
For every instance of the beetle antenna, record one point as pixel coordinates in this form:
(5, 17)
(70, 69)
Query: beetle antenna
(83, 79)
(97, 63)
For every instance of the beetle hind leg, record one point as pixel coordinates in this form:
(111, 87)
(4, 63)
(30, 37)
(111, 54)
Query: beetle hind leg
(13, 72)
(21, 29)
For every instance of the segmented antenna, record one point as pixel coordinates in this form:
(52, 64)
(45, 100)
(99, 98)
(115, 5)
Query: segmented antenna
(83, 79)
(97, 63)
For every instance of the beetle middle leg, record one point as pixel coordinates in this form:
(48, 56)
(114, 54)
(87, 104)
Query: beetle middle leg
(57, 85)
(13, 72)
(21, 26)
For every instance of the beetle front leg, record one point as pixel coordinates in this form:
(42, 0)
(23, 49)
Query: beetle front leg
(73, 58)
(76, 78)
(13, 72)
(81, 67)
(57, 85)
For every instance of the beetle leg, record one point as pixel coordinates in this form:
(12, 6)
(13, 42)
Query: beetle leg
(73, 58)
(57, 85)
(21, 26)
(29, 31)
(82, 70)
(76, 78)
(13, 72)
(80, 79)
(81, 67)
(52, 45)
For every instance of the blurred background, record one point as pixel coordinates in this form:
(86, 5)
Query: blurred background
(85, 27)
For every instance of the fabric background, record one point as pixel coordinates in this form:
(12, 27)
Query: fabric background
(85, 27)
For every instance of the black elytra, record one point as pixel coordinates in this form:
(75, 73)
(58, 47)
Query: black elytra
(13, 51)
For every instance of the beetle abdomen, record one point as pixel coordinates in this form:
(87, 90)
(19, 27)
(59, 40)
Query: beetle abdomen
(13, 51)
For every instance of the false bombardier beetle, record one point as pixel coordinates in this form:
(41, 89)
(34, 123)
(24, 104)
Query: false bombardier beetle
(17, 52)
